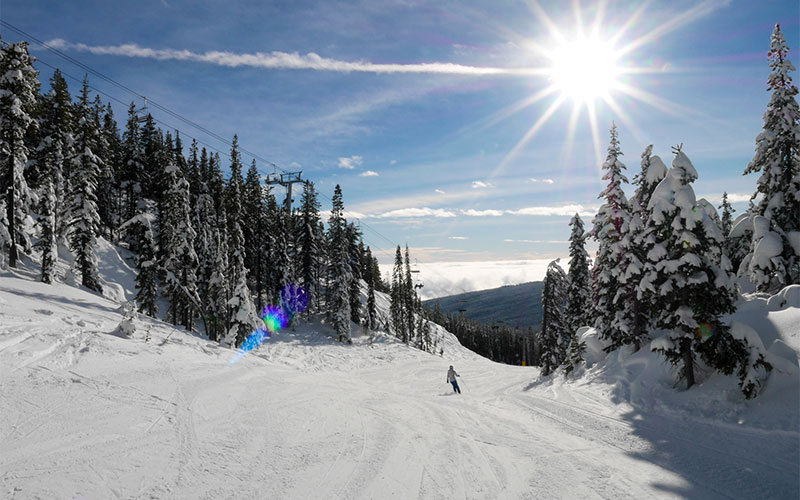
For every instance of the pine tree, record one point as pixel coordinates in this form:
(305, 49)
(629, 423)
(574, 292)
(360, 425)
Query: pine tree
(151, 142)
(204, 221)
(106, 128)
(18, 90)
(397, 309)
(255, 215)
(84, 219)
(689, 277)
(242, 317)
(339, 271)
(353, 236)
(180, 260)
(632, 317)
(610, 224)
(409, 296)
(55, 151)
(778, 159)
(574, 355)
(726, 220)
(133, 168)
(139, 230)
(309, 242)
(578, 309)
(553, 336)
(217, 297)
(369, 276)
(47, 222)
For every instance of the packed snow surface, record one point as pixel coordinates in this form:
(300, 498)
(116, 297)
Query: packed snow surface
(89, 413)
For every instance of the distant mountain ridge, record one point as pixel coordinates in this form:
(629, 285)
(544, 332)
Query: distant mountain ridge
(516, 305)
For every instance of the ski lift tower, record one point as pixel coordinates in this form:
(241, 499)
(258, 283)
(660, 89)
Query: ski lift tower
(286, 180)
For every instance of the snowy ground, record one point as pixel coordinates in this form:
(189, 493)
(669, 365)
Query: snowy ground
(88, 414)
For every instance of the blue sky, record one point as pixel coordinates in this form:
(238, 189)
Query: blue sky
(426, 154)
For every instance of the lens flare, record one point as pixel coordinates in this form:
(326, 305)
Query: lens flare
(294, 300)
(704, 331)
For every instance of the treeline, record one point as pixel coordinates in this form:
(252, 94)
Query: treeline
(217, 248)
(493, 340)
(668, 261)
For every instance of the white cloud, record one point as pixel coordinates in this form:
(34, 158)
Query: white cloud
(480, 184)
(368, 173)
(732, 198)
(482, 213)
(439, 191)
(350, 163)
(348, 214)
(457, 238)
(566, 210)
(392, 162)
(545, 181)
(416, 212)
(285, 60)
(448, 278)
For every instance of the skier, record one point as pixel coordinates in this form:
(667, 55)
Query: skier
(451, 377)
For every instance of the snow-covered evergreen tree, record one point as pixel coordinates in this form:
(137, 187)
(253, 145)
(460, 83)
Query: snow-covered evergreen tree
(777, 158)
(47, 239)
(309, 246)
(574, 354)
(409, 297)
(253, 222)
(397, 308)
(689, 277)
(204, 222)
(726, 219)
(132, 171)
(139, 230)
(84, 219)
(55, 151)
(242, 316)
(339, 271)
(180, 260)
(353, 236)
(369, 276)
(578, 309)
(632, 315)
(18, 90)
(610, 224)
(553, 337)
(216, 300)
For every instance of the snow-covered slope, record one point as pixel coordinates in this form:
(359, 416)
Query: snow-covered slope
(89, 414)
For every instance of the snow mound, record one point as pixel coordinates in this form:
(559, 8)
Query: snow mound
(788, 297)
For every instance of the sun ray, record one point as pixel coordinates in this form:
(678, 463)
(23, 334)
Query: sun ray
(529, 135)
(576, 10)
(655, 101)
(592, 112)
(545, 19)
(515, 108)
(676, 22)
(630, 22)
(624, 118)
(598, 18)
(571, 126)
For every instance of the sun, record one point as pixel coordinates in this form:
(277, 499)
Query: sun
(584, 69)
(593, 65)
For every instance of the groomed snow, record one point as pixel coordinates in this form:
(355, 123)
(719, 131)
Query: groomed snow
(90, 414)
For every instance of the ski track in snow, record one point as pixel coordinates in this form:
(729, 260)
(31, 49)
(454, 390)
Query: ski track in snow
(89, 415)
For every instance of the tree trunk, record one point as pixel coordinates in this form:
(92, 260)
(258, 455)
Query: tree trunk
(12, 229)
(688, 361)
